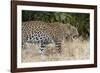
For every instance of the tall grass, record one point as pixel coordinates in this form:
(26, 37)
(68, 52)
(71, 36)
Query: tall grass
(76, 50)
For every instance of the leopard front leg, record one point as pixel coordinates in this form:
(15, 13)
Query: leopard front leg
(58, 47)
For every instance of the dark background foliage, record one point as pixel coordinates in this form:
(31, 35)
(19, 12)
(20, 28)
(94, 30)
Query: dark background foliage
(79, 20)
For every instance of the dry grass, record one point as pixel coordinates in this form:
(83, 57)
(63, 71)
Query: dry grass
(75, 50)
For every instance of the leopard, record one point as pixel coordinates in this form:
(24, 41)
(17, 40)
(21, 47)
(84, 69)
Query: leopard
(44, 33)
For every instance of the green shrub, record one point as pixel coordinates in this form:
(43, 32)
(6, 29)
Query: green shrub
(79, 20)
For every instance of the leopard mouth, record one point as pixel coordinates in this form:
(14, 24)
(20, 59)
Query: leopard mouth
(75, 36)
